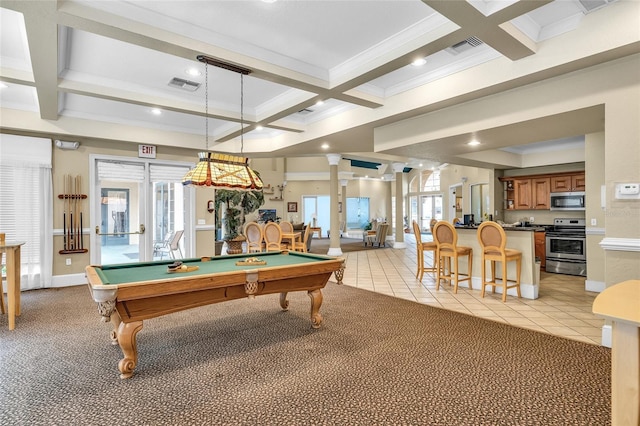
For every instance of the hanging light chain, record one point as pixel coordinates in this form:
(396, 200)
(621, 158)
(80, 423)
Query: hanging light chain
(241, 114)
(206, 104)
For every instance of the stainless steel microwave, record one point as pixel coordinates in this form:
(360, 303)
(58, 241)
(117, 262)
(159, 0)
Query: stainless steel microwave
(567, 201)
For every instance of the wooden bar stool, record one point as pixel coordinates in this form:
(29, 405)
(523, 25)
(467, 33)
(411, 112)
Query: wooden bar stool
(446, 238)
(493, 241)
(421, 247)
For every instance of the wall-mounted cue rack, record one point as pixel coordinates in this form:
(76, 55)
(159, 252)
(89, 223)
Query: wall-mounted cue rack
(72, 215)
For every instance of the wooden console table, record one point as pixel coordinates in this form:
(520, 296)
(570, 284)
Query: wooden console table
(620, 303)
(12, 250)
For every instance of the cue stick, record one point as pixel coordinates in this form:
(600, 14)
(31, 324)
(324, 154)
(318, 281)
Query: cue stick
(68, 199)
(72, 240)
(75, 208)
(80, 208)
(64, 208)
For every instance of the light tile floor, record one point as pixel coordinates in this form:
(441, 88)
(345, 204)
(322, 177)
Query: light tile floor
(563, 307)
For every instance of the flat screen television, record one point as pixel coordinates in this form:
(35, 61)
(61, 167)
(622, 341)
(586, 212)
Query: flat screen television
(267, 215)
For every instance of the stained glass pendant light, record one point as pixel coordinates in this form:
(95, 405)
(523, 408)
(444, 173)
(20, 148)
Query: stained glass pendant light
(218, 170)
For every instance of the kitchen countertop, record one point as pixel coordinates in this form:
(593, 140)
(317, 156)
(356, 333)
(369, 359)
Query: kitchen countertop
(511, 228)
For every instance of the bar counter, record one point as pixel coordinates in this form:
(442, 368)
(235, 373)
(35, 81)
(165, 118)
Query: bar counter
(518, 238)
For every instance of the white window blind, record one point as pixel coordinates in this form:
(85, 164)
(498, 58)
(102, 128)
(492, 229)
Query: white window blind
(165, 173)
(122, 172)
(25, 198)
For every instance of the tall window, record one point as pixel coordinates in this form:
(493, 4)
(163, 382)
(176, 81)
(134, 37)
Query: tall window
(26, 196)
(432, 183)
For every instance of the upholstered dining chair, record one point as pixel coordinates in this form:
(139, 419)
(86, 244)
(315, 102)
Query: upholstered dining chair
(254, 236)
(421, 247)
(287, 228)
(302, 246)
(446, 238)
(493, 242)
(379, 237)
(272, 236)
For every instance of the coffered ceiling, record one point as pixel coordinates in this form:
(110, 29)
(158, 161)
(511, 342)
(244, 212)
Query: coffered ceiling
(324, 74)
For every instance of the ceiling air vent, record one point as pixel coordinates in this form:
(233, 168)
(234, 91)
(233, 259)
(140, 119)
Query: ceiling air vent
(464, 45)
(589, 6)
(305, 111)
(181, 83)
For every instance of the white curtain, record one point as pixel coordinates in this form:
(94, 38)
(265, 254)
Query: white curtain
(26, 200)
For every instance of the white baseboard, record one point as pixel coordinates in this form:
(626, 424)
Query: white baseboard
(68, 280)
(606, 336)
(595, 286)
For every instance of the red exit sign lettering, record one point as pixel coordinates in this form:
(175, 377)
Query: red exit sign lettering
(147, 151)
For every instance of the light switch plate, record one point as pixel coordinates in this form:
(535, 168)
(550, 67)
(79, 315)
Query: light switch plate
(594, 222)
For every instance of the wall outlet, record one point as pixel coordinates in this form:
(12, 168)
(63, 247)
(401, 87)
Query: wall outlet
(594, 222)
(68, 261)
(531, 219)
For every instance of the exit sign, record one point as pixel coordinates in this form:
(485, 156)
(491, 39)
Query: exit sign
(147, 151)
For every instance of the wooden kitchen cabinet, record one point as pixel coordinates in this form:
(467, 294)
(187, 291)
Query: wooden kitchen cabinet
(522, 194)
(541, 248)
(540, 193)
(568, 183)
(531, 194)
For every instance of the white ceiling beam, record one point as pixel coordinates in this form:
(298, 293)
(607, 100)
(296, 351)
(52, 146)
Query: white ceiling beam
(42, 36)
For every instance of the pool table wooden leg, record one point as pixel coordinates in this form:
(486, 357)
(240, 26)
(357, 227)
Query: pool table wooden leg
(316, 302)
(127, 340)
(284, 303)
(116, 321)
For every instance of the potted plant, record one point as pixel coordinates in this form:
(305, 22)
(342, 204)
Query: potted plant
(237, 204)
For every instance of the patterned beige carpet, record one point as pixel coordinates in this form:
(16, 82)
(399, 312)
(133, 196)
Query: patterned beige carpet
(376, 360)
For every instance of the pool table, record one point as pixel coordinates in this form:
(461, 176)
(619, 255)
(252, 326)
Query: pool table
(129, 293)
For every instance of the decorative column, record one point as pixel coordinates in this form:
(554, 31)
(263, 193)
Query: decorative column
(399, 243)
(334, 242)
(343, 200)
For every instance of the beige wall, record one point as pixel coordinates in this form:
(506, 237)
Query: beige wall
(76, 163)
(595, 165)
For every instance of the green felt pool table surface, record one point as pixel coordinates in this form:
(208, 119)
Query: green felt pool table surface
(152, 271)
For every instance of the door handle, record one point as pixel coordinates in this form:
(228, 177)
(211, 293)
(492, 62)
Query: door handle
(140, 231)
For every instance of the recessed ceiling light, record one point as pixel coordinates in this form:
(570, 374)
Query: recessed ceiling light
(419, 62)
(325, 146)
(269, 1)
(320, 103)
(156, 111)
(193, 72)
(473, 143)
(420, 165)
(3, 85)
(259, 127)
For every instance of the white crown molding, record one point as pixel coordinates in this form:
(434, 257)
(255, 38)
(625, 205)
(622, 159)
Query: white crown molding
(620, 244)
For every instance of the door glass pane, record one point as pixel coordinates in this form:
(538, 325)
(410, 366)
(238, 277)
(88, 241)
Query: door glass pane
(357, 212)
(168, 218)
(119, 222)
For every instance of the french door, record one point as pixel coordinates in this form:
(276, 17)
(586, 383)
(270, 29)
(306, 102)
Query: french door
(431, 207)
(137, 204)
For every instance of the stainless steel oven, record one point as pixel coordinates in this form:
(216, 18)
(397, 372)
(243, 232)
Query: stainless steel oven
(567, 247)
